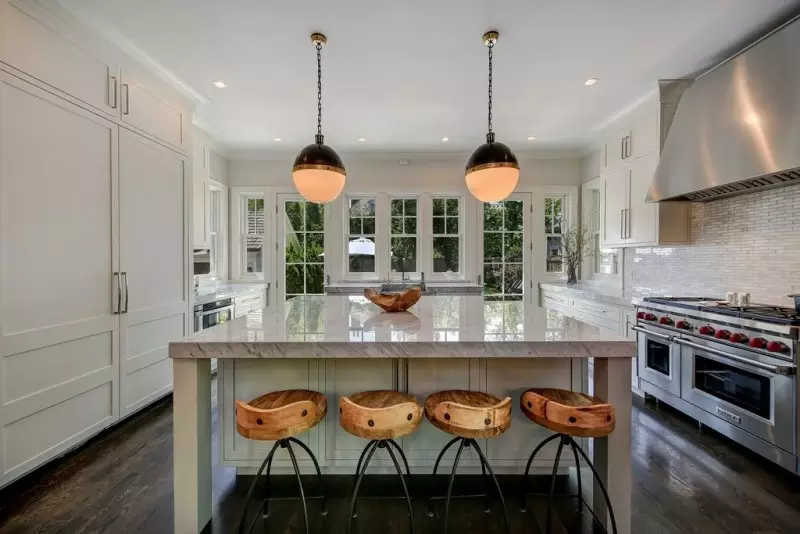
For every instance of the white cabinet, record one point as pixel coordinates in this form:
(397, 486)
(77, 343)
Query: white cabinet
(244, 304)
(47, 52)
(199, 210)
(616, 149)
(217, 167)
(153, 191)
(616, 202)
(641, 221)
(151, 114)
(59, 336)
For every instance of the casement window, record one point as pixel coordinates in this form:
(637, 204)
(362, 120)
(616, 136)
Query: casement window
(360, 251)
(404, 237)
(252, 241)
(554, 222)
(304, 248)
(446, 228)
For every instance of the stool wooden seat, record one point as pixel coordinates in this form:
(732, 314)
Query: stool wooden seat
(569, 412)
(280, 414)
(379, 415)
(468, 414)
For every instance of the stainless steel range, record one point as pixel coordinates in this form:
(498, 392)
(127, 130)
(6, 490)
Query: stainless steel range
(731, 368)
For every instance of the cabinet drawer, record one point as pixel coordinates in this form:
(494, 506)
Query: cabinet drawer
(609, 323)
(555, 301)
(596, 309)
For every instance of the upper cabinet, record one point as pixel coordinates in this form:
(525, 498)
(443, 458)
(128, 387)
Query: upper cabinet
(629, 158)
(148, 112)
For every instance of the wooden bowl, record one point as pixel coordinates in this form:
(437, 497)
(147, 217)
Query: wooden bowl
(394, 302)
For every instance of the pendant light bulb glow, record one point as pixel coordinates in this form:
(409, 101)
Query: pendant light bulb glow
(318, 172)
(492, 171)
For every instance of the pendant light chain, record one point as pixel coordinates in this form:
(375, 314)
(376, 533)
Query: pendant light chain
(490, 45)
(319, 92)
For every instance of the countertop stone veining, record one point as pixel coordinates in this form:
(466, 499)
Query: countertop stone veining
(441, 326)
(226, 290)
(600, 293)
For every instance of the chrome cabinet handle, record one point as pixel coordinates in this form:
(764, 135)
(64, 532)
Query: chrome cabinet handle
(117, 310)
(654, 334)
(593, 309)
(125, 275)
(112, 91)
(621, 224)
(778, 370)
(127, 110)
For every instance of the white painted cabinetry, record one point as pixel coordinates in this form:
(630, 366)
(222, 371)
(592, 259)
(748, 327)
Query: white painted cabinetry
(244, 304)
(145, 110)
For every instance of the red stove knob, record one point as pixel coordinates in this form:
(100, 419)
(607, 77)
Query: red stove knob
(738, 337)
(649, 317)
(722, 334)
(640, 315)
(665, 320)
(707, 330)
(777, 346)
(683, 325)
(758, 343)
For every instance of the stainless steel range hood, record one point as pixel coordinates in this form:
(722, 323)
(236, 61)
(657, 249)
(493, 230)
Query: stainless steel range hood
(737, 128)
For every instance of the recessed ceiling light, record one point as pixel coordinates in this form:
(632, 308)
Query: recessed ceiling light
(278, 139)
(220, 84)
(531, 138)
(362, 139)
(591, 81)
(445, 139)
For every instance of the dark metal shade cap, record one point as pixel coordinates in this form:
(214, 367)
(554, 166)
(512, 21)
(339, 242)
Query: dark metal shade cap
(490, 155)
(319, 156)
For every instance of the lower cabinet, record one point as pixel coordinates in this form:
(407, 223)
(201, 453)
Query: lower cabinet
(338, 451)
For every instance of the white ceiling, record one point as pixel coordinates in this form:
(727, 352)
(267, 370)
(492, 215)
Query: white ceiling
(405, 74)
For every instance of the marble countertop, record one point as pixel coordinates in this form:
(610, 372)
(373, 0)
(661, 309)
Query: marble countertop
(226, 290)
(609, 295)
(441, 287)
(349, 326)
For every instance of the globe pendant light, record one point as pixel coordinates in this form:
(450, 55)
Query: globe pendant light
(318, 172)
(492, 170)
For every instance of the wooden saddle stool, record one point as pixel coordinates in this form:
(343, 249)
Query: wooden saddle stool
(280, 416)
(468, 415)
(569, 414)
(380, 416)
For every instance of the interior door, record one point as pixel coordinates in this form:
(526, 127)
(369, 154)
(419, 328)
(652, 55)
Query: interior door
(505, 248)
(643, 216)
(154, 261)
(616, 202)
(58, 331)
(301, 247)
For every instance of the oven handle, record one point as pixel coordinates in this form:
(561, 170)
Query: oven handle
(778, 370)
(654, 334)
(215, 310)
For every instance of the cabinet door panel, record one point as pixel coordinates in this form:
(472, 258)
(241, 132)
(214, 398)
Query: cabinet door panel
(151, 114)
(616, 201)
(59, 336)
(154, 254)
(199, 194)
(643, 216)
(42, 52)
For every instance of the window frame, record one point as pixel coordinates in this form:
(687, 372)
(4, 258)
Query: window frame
(236, 255)
(456, 275)
(281, 202)
(395, 275)
(594, 219)
(345, 242)
(564, 222)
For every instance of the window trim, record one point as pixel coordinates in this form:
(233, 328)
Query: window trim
(344, 244)
(564, 222)
(236, 244)
(588, 267)
(393, 275)
(460, 274)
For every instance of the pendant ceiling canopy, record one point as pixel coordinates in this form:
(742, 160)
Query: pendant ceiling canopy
(318, 171)
(492, 170)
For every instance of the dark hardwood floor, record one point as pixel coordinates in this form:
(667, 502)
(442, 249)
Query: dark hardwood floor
(684, 482)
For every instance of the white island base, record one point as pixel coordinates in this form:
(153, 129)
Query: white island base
(260, 356)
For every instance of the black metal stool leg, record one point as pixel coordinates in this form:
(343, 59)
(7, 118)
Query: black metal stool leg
(361, 459)
(578, 467)
(371, 446)
(523, 504)
(265, 507)
(450, 484)
(402, 456)
(599, 483)
(288, 446)
(433, 475)
(253, 488)
(485, 479)
(319, 473)
(496, 483)
(564, 439)
(403, 481)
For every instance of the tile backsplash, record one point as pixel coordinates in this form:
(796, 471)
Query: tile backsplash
(746, 243)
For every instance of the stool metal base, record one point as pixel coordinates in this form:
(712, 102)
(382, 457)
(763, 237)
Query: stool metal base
(264, 509)
(466, 443)
(361, 469)
(576, 450)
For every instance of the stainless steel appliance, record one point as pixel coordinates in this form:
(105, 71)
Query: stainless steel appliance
(212, 313)
(733, 368)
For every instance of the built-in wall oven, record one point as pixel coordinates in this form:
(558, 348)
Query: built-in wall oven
(754, 392)
(212, 313)
(659, 358)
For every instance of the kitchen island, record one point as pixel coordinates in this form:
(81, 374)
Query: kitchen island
(341, 344)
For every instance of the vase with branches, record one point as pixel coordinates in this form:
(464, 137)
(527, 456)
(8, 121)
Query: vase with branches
(577, 243)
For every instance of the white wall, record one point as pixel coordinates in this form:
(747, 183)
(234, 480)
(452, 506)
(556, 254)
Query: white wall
(423, 173)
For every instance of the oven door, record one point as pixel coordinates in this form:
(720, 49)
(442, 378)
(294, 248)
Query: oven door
(753, 392)
(207, 319)
(659, 359)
